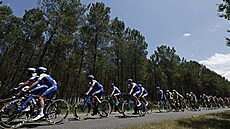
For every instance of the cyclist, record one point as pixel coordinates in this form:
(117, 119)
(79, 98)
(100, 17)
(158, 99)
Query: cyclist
(134, 91)
(33, 77)
(176, 97)
(169, 96)
(47, 86)
(143, 94)
(97, 89)
(160, 96)
(115, 92)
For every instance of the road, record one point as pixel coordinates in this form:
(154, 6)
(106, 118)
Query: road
(116, 120)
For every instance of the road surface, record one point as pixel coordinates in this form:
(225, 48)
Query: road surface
(116, 120)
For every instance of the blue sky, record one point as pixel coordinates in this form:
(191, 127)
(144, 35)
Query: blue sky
(191, 26)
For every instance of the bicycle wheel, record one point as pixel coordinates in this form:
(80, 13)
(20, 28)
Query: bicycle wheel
(104, 108)
(81, 111)
(168, 106)
(127, 108)
(149, 108)
(111, 103)
(160, 106)
(142, 109)
(10, 117)
(57, 111)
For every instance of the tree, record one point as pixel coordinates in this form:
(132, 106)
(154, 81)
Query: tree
(224, 12)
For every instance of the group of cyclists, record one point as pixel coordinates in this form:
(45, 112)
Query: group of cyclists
(175, 100)
(137, 91)
(42, 84)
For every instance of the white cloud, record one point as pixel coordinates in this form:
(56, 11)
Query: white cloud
(220, 63)
(215, 28)
(186, 35)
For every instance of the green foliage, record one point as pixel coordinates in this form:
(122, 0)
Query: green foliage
(73, 40)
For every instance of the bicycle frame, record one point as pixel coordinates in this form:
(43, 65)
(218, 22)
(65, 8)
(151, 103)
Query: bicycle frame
(87, 101)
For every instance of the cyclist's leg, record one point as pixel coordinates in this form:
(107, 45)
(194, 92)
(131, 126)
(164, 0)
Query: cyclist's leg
(144, 99)
(116, 96)
(137, 93)
(41, 101)
(97, 94)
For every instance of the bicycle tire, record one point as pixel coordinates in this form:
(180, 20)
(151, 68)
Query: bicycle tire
(111, 102)
(104, 108)
(10, 117)
(79, 113)
(160, 107)
(149, 108)
(56, 111)
(142, 109)
(127, 110)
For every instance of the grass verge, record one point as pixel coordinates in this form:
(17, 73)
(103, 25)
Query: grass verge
(208, 121)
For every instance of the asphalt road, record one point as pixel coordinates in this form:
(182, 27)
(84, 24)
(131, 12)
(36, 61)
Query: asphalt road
(116, 120)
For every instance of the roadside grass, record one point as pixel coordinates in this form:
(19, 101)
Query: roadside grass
(208, 121)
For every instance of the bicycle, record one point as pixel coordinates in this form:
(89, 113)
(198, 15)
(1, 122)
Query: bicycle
(83, 108)
(164, 105)
(149, 108)
(113, 105)
(17, 112)
(130, 108)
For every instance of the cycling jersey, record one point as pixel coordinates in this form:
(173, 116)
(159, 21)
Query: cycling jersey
(116, 91)
(161, 95)
(145, 93)
(45, 79)
(47, 85)
(135, 87)
(169, 95)
(97, 88)
(33, 79)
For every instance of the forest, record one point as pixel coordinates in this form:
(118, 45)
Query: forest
(73, 40)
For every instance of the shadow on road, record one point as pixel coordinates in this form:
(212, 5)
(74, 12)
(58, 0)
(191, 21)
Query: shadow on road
(37, 124)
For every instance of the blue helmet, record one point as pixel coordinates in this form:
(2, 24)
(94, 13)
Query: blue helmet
(31, 70)
(42, 69)
(111, 84)
(130, 80)
(90, 77)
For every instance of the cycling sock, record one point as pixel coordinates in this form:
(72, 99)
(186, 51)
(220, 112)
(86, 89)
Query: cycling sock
(41, 112)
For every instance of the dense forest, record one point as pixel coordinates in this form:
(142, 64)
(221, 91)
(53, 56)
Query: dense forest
(73, 40)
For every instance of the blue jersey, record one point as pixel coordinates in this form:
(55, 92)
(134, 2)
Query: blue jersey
(96, 85)
(135, 87)
(144, 90)
(33, 79)
(45, 79)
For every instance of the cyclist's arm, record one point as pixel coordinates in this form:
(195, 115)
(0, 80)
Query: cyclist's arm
(90, 89)
(112, 92)
(24, 84)
(33, 85)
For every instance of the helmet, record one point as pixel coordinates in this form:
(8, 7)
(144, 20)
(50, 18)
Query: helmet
(174, 90)
(167, 91)
(31, 70)
(21, 83)
(130, 80)
(41, 69)
(140, 85)
(158, 87)
(111, 84)
(191, 92)
(90, 77)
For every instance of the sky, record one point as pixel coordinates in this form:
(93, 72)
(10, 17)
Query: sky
(192, 27)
